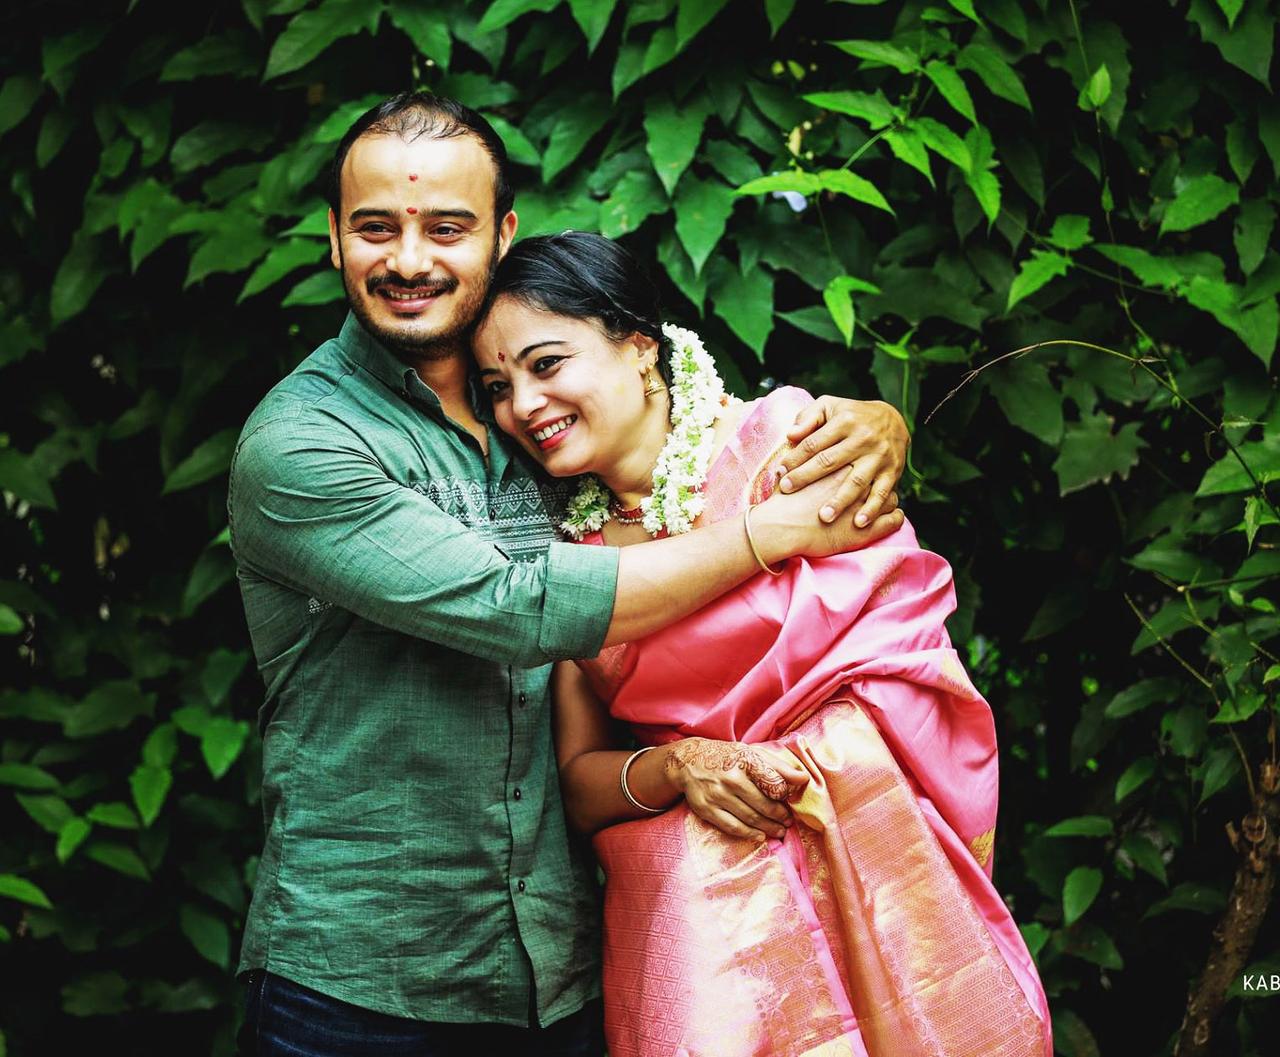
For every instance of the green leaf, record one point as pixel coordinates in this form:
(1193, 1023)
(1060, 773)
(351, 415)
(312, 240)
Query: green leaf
(119, 857)
(838, 297)
(1082, 826)
(208, 934)
(223, 53)
(17, 99)
(634, 198)
(1202, 199)
(150, 785)
(23, 476)
(745, 303)
(1150, 269)
(628, 67)
(323, 288)
(1135, 776)
(1146, 856)
(908, 146)
(951, 87)
(1070, 232)
(1079, 891)
(999, 77)
(221, 743)
(1253, 233)
(519, 148)
(212, 570)
(571, 132)
(1164, 555)
(1242, 150)
(1091, 452)
(284, 258)
(55, 130)
(1040, 268)
(673, 134)
(211, 140)
(843, 182)
(26, 776)
(23, 891)
(805, 183)
(10, 622)
(114, 814)
(1028, 398)
(1215, 774)
(426, 29)
(692, 16)
(97, 994)
(1239, 708)
(503, 12)
(1097, 89)
(73, 834)
(1062, 606)
(112, 705)
(1231, 8)
(161, 747)
(881, 53)
(1189, 896)
(680, 268)
(814, 321)
(778, 11)
(593, 18)
(60, 53)
(875, 109)
(1247, 44)
(78, 277)
(226, 251)
(310, 32)
(1071, 1035)
(50, 813)
(1141, 695)
(702, 210)
(942, 141)
(210, 459)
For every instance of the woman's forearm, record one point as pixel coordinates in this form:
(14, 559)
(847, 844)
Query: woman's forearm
(592, 790)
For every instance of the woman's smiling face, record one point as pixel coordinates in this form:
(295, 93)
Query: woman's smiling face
(572, 397)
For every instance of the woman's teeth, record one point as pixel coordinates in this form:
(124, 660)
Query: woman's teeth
(554, 428)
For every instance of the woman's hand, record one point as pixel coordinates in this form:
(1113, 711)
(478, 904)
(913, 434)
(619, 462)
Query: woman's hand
(863, 442)
(740, 789)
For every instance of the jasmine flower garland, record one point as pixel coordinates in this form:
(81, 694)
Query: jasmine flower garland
(697, 396)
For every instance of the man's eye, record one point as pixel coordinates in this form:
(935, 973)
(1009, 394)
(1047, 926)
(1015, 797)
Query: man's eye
(375, 229)
(447, 232)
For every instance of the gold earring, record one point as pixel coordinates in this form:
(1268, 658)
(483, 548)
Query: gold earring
(652, 382)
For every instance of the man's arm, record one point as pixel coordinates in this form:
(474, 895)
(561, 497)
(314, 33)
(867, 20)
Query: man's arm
(318, 513)
(863, 442)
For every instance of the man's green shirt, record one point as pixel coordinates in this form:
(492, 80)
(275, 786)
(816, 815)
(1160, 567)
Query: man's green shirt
(405, 598)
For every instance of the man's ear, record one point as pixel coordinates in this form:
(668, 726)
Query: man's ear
(335, 254)
(507, 233)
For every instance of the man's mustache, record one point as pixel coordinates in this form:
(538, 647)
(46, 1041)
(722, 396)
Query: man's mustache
(418, 284)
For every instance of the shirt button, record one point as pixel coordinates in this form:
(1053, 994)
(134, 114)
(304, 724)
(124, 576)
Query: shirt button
(516, 794)
(519, 886)
(493, 513)
(522, 700)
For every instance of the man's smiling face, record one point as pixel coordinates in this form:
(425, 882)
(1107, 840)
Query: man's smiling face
(417, 239)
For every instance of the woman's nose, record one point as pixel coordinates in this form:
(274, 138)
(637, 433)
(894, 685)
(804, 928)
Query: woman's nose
(527, 400)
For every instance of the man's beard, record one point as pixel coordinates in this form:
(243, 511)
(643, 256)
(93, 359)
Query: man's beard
(429, 343)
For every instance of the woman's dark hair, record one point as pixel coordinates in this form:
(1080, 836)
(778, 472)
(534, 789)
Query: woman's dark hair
(584, 276)
(413, 114)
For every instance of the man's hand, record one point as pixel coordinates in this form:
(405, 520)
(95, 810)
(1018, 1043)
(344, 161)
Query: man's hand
(785, 525)
(866, 440)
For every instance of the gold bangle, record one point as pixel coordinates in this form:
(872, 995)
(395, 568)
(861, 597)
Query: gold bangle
(626, 790)
(751, 542)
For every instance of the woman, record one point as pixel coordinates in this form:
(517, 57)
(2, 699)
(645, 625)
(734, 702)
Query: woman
(802, 864)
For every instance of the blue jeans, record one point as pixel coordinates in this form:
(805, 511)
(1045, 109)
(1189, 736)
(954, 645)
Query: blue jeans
(284, 1019)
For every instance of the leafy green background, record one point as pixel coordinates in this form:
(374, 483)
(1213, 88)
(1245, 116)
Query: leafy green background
(974, 177)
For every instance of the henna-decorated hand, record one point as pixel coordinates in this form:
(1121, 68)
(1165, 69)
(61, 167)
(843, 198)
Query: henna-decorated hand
(740, 789)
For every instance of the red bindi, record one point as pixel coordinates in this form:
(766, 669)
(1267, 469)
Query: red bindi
(411, 210)
(502, 357)
(413, 176)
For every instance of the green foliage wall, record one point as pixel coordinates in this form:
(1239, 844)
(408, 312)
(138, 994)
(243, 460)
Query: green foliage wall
(863, 197)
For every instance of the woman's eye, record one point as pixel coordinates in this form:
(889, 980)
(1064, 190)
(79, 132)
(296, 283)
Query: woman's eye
(545, 363)
(497, 390)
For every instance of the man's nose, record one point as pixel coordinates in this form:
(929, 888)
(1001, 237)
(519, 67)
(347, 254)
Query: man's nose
(410, 256)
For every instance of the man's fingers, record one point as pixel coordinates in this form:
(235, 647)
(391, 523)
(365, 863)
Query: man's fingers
(880, 500)
(852, 489)
(884, 525)
(816, 456)
(809, 419)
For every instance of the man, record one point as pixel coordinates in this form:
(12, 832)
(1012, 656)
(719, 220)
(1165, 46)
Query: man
(417, 893)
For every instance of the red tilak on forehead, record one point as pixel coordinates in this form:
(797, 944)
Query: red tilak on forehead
(411, 210)
(413, 176)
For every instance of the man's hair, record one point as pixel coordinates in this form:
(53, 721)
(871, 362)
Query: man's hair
(413, 114)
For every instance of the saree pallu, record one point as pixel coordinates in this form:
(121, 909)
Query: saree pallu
(873, 928)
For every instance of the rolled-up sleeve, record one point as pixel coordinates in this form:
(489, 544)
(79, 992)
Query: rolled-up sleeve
(311, 508)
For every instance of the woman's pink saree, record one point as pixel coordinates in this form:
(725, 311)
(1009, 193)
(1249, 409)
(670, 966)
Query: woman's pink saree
(873, 928)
